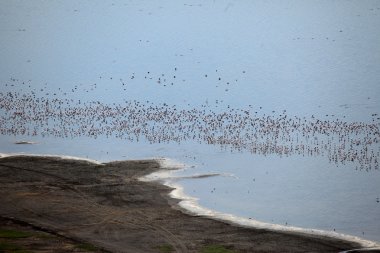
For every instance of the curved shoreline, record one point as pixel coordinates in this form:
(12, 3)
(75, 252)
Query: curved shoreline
(187, 205)
(190, 205)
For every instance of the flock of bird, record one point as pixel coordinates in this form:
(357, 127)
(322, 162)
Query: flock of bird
(171, 78)
(240, 130)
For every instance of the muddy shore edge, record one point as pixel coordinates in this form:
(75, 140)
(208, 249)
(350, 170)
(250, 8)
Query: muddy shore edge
(106, 205)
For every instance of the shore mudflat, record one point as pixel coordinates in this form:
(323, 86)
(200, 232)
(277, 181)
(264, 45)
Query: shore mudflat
(106, 205)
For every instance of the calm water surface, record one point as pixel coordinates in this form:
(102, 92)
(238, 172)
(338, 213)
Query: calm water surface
(281, 98)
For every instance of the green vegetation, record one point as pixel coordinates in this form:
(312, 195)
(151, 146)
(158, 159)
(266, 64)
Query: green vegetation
(166, 248)
(86, 246)
(8, 247)
(216, 249)
(14, 234)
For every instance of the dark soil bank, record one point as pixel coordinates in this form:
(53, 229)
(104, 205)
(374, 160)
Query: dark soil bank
(107, 206)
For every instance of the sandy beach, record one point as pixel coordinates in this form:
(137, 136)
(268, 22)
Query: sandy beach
(106, 205)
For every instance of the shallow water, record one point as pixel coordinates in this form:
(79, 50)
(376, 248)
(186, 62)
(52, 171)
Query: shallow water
(308, 61)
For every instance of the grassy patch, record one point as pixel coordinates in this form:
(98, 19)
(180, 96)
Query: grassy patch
(216, 249)
(9, 247)
(14, 234)
(166, 248)
(87, 247)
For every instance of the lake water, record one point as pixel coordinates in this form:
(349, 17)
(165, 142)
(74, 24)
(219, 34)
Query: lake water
(280, 98)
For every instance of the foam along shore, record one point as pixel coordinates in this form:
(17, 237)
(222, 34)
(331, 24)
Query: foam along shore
(67, 157)
(120, 206)
(190, 205)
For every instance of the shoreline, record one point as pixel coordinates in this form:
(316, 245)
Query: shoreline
(189, 204)
(176, 200)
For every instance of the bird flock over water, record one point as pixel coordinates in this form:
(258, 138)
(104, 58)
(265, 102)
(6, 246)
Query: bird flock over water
(234, 129)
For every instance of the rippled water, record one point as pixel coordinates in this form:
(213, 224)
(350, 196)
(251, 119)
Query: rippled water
(280, 97)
